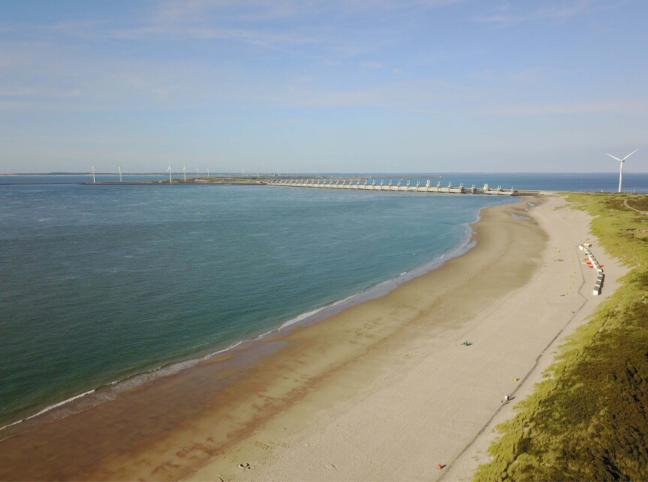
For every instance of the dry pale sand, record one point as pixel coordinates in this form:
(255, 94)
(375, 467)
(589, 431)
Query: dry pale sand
(433, 400)
(564, 225)
(384, 390)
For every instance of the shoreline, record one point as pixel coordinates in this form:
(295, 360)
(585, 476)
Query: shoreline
(349, 423)
(240, 384)
(316, 315)
(432, 419)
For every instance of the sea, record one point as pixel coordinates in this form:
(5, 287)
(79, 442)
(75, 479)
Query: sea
(100, 283)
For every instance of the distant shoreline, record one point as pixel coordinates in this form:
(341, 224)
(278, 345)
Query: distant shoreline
(270, 174)
(636, 182)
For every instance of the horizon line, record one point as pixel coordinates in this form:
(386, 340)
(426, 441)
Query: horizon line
(310, 173)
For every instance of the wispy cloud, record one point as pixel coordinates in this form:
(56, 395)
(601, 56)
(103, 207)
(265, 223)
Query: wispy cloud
(266, 22)
(619, 106)
(88, 84)
(270, 24)
(507, 15)
(250, 36)
(267, 10)
(17, 93)
(175, 11)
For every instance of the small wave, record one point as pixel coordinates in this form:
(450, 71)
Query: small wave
(49, 408)
(121, 384)
(309, 314)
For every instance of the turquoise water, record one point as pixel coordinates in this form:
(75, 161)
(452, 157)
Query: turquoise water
(101, 282)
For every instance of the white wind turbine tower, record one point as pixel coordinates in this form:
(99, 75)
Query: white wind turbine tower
(184, 172)
(94, 179)
(120, 173)
(621, 163)
(169, 169)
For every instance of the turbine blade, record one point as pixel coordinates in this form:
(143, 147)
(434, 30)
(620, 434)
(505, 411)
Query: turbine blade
(615, 158)
(626, 157)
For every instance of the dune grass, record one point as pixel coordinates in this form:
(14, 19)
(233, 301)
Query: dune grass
(588, 418)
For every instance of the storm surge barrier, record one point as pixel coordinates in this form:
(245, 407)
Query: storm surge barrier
(389, 185)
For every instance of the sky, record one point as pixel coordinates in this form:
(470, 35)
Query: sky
(323, 86)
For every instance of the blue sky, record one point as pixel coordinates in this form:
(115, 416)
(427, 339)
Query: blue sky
(355, 85)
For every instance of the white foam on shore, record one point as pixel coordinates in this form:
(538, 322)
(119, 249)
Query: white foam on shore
(122, 384)
(309, 314)
(49, 408)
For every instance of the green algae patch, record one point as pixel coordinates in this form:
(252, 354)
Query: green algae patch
(588, 418)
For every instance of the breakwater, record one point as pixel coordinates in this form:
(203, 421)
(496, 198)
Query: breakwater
(389, 185)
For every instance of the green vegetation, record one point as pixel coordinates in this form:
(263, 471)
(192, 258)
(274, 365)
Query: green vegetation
(588, 419)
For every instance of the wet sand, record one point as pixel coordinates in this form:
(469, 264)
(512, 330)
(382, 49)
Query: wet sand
(383, 390)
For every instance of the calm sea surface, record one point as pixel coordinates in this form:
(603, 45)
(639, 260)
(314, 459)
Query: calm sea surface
(101, 282)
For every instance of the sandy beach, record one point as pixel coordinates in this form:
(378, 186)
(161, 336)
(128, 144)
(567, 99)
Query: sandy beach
(384, 390)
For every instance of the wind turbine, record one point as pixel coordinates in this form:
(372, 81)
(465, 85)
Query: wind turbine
(120, 173)
(184, 172)
(94, 179)
(169, 169)
(621, 162)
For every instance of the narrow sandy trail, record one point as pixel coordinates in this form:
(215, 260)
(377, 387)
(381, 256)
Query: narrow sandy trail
(625, 203)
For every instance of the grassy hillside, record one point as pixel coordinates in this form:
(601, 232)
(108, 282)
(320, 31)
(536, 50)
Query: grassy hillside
(588, 419)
